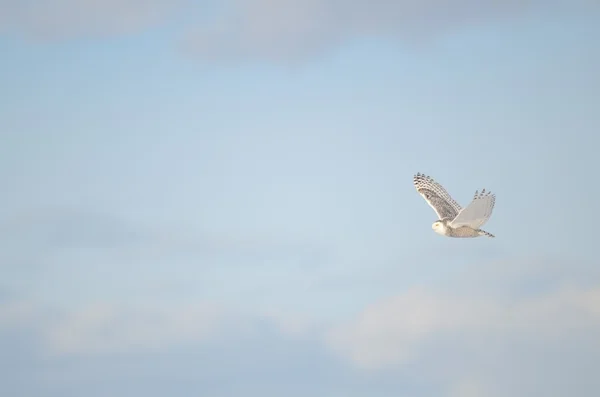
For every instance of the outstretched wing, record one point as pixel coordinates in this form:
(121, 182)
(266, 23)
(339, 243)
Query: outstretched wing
(477, 212)
(436, 196)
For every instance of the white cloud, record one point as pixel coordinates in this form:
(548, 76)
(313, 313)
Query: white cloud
(466, 342)
(293, 325)
(494, 329)
(273, 29)
(122, 350)
(470, 388)
(104, 329)
(389, 332)
(109, 329)
(292, 29)
(392, 332)
(537, 340)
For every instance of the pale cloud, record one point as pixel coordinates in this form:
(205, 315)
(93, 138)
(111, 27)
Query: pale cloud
(390, 332)
(520, 327)
(293, 325)
(147, 350)
(58, 19)
(282, 30)
(293, 29)
(106, 329)
(469, 387)
(469, 342)
(393, 331)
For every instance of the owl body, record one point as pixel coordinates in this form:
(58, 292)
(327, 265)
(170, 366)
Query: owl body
(442, 227)
(453, 220)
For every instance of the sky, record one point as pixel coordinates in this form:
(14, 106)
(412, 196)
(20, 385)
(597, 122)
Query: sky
(216, 199)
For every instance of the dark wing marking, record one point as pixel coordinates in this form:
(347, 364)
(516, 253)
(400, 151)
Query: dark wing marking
(436, 196)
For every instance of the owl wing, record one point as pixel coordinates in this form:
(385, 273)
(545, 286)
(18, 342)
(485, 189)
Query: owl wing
(436, 196)
(477, 212)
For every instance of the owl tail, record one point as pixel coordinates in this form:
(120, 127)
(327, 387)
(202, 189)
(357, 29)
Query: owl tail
(484, 233)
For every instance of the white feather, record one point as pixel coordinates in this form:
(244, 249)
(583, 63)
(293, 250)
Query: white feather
(476, 213)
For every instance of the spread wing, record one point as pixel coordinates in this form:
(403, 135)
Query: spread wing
(477, 212)
(436, 196)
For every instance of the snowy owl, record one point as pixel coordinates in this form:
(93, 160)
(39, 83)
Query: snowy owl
(455, 221)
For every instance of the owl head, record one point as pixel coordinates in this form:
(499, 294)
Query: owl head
(439, 227)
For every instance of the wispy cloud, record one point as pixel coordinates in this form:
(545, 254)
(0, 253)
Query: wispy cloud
(106, 329)
(282, 30)
(468, 343)
(479, 342)
(204, 348)
(59, 19)
(292, 29)
(393, 331)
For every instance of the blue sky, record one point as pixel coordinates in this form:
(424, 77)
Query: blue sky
(217, 199)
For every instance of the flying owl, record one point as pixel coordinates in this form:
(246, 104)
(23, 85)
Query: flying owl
(455, 221)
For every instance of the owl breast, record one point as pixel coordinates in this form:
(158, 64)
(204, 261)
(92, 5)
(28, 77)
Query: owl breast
(463, 231)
